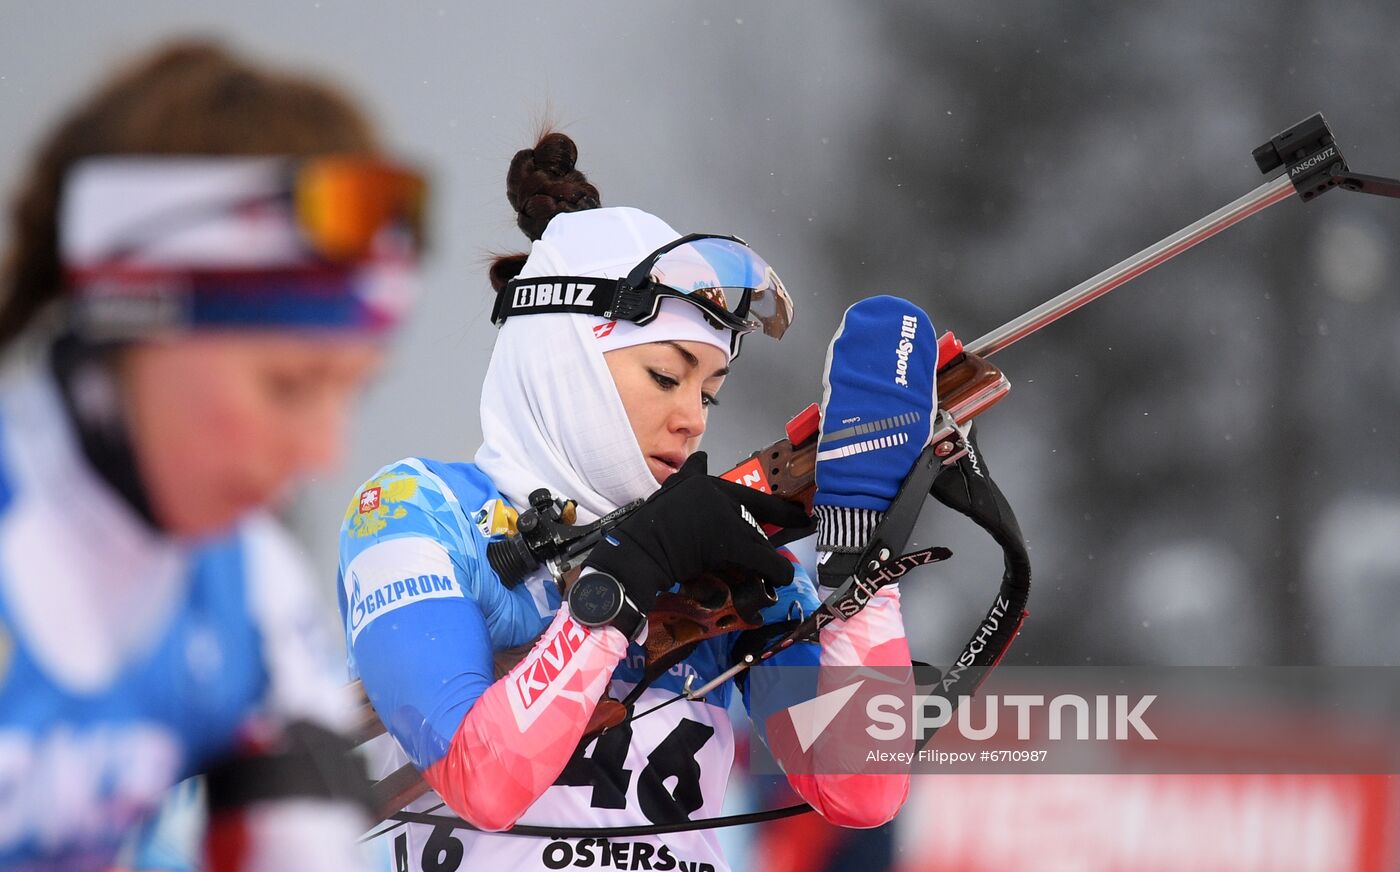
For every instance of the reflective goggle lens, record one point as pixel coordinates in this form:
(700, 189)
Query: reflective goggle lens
(731, 278)
(342, 204)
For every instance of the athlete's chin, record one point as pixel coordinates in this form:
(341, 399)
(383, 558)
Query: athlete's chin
(200, 522)
(213, 515)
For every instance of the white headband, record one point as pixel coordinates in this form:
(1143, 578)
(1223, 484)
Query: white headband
(675, 321)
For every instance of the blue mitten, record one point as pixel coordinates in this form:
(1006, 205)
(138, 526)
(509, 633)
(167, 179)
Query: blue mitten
(878, 405)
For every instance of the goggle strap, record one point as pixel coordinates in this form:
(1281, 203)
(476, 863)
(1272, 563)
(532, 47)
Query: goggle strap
(544, 294)
(613, 299)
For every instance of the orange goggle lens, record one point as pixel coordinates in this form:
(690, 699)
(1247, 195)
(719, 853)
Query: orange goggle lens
(343, 203)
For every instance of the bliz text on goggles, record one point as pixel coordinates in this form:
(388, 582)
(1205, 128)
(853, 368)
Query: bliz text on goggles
(721, 275)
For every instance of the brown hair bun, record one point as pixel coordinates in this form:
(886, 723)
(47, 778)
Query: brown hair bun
(542, 182)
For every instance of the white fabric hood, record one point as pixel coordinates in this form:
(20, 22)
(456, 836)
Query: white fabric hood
(550, 414)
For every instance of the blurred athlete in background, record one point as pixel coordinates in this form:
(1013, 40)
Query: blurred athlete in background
(606, 412)
(204, 260)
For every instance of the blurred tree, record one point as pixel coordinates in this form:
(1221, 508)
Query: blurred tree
(1010, 154)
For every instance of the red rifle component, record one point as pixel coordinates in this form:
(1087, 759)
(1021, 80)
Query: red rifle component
(949, 347)
(804, 424)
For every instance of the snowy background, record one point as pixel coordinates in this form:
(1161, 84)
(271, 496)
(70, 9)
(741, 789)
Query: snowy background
(1206, 463)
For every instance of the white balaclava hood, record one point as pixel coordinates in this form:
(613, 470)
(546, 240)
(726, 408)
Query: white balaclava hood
(550, 413)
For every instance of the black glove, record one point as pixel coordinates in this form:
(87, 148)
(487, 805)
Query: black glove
(695, 523)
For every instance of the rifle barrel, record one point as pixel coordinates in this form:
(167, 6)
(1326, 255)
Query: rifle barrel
(1261, 198)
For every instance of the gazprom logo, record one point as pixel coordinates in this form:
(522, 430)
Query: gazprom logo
(357, 603)
(373, 591)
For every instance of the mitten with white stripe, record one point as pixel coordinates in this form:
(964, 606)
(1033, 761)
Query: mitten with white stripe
(878, 405)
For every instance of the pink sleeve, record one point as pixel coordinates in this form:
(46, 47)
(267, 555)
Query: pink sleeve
(874, 637)
(520, 733)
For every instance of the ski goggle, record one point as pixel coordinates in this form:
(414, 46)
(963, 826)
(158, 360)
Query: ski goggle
(726, 279)
(123, 207)
(153, 242)
(342, 203)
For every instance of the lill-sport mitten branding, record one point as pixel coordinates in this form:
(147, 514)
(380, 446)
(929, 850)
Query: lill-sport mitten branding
(878, 404)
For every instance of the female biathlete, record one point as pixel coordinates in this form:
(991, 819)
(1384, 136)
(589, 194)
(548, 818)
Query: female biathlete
(204, 260)
(605, 411)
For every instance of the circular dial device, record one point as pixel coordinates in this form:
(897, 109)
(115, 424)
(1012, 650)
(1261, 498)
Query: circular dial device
(595, 599)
